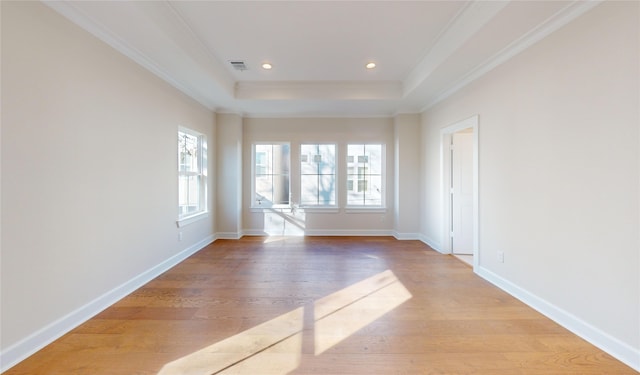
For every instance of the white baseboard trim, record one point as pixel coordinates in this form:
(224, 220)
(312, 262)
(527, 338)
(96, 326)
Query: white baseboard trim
(254, 232)
(229, 235)
(349, 232)
(616, 348)
(406, 236)
(431, 243)
(39, 339)
(327, 232)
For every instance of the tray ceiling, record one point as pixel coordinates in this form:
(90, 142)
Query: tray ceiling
(423, 50)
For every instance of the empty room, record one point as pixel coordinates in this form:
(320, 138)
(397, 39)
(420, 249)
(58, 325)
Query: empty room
(320, 187)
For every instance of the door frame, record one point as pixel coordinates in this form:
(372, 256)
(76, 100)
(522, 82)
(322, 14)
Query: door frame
(445, 178)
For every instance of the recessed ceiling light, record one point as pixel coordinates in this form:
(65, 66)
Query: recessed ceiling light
(267, 66)
(370, 65)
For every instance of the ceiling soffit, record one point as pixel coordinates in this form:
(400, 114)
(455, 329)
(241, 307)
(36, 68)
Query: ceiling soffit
(158, 37)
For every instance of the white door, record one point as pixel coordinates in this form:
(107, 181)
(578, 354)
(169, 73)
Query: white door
(462, 192)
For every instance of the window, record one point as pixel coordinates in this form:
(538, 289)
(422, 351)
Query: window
(365, 175)
(192, 173)
(318, 175)
(270, 175)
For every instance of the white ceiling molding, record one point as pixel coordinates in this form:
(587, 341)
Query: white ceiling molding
(467, 23)
(197, 81)
(319, 90)
(553, 23)
(191, 53)
(318, 114)
(219, 70)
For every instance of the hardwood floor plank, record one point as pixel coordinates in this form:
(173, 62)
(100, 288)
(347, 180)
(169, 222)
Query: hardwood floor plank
(319, 305)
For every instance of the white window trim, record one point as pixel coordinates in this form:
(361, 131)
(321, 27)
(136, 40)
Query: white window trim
(253, 207)
(203, 213)
(382, 208)
(192, 218)
(320, 209)
(365, 210)
(278, 208)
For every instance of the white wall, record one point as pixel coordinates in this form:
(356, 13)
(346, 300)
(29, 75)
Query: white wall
(229, 176)
(407, 196)
(89, 181)
(559, 175)
(340, 131)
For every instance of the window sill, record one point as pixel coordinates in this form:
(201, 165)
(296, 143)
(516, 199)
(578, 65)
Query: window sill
(365, 210)
(192, 219)
(320, 210)
(271, 209)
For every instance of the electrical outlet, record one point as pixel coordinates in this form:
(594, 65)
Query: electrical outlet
(179, 236)
(501, 256)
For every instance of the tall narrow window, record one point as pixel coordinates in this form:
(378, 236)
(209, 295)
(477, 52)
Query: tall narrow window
(318, 175)
(270, 175)
(192, 173)
(365, 175)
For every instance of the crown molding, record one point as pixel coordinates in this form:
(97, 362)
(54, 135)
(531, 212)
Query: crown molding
(553, 23)
(217, 91)
(74, 14)
(329, 90)
(315, 115)
(466, 24)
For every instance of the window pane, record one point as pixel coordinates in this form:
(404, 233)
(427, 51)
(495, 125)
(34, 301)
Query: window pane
(353, 151)
(309, 193)
(281, 189)
(374, 154)
(327, 190)
(362, 185)
(318, 170)
(192, 181)
(189, 194)
(327, 163)
(271, 179)
(188, 152)
(373, 194)
(264, 190)
(307, 162)
(364, 175)
(355, 197)
(263, 159)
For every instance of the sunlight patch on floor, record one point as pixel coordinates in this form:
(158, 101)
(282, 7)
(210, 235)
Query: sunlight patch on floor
(246, 345)
(342, 314)
(280, 358)
(271, 239)
(275, 347)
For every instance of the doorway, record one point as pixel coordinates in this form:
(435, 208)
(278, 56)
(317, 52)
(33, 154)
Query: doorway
(460, 189)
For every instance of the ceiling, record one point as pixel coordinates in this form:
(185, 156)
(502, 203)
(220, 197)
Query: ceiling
(424, 50)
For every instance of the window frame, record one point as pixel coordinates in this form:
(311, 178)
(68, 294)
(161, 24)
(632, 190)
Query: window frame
(356, 208)
(259, 207)
(201, 157)
(321, 207)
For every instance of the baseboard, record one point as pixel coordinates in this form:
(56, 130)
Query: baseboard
(616, 348)
(254, 232)
(228, 235)
(431, 243)
(328, 232)
(406, 236)
(349, 232)
(36, 341)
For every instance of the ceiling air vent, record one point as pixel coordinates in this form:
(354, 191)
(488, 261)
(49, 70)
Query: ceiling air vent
(238, 65)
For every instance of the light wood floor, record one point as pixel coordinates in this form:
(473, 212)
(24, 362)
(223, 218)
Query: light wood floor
(319, 306)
